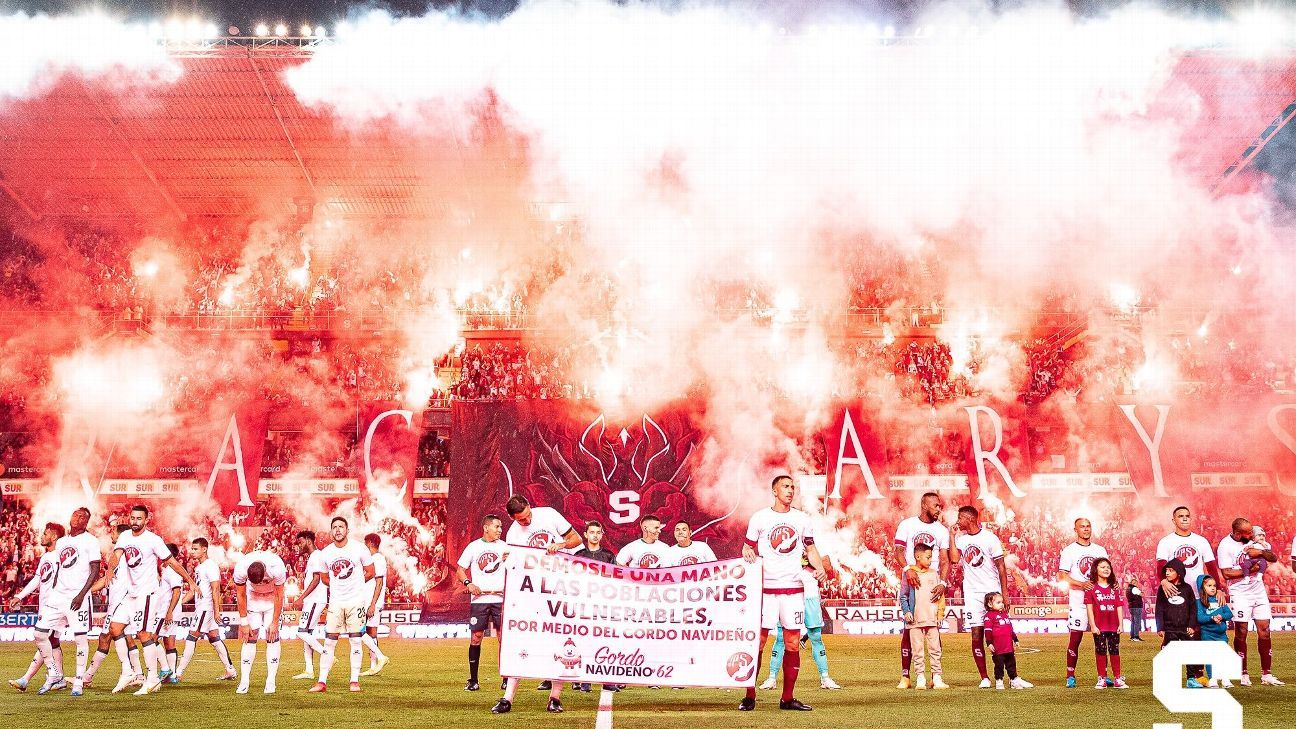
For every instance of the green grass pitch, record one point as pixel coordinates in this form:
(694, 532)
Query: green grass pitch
(423, 687)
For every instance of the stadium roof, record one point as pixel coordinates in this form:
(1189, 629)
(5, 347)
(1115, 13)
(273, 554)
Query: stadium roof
(230, 134)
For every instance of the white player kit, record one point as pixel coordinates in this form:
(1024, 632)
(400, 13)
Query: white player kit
(780, 539)
(484, 562)
(546, 526)
(380, 574)
(643, 555)
(1248, 598)
(695, 553)
(1193, 550)
(42, 583)
(348, 602)
(313, 605)
(72, 556)
(914, 531)
(1077, 560)
(205, 615)
(138, 609)
(260, 596)
(170, 619)
(979, 554)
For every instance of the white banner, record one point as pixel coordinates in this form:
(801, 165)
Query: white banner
(573, 619)
(308, 486)
(929, 482)
(21, 487)
(431, 487)
(1101, 482)
(147, 487)
(1230, 481)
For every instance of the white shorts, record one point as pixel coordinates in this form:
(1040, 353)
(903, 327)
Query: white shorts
(785, 610)
(1078, 619)
(60, 618)
(260, 616)
(309, 621)
(1250, 607)
(349, 619)
(974, 609)
(204, 620)
(138, 614)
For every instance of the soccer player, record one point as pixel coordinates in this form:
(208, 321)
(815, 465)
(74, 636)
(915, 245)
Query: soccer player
(259, 579)
(115, 575)
(1074, 567)
(984, 572)
(922, 529)
(78, 566)
(781, 535)
(648, 551)
(1249, 597)
(377, 659)
(169, 599)
(481, 570)
(813, 634)
(347, 567)
(1192, 549)
(539, 528)
(686, 551)
(44, 580)
(207, 576)
(313, 602)
(141, 550)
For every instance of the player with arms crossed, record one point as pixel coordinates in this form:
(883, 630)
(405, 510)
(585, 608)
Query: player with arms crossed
(538, 528)
(1239, 560)
(1075, 565)
(142, 551)
(984, 572)
(259, 590)
(207, 576)
(347, 567)
(481, 570)
(313, 602)
(42, 583)
(922, 529)
(780, 536)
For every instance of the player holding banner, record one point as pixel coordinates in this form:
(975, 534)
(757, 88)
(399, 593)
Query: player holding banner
(780, 536)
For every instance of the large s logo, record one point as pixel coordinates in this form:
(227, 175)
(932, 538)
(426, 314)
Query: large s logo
(1167, 686)
(623, 507)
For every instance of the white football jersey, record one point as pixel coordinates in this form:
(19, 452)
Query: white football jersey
(119, 586)
(380, 574)
(142, 555)
(643, 555)
(169, 581)
(485, 564)
(74, 556)
(276, 575)
(695, 553)
(1193, 550)
(345, 566)
(978, 553)
(315, 565)
(1231, 555)
(780, 538)
(546, 526)
(914, 531)
(206, 573)
(1077, 560)
(45, 577)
